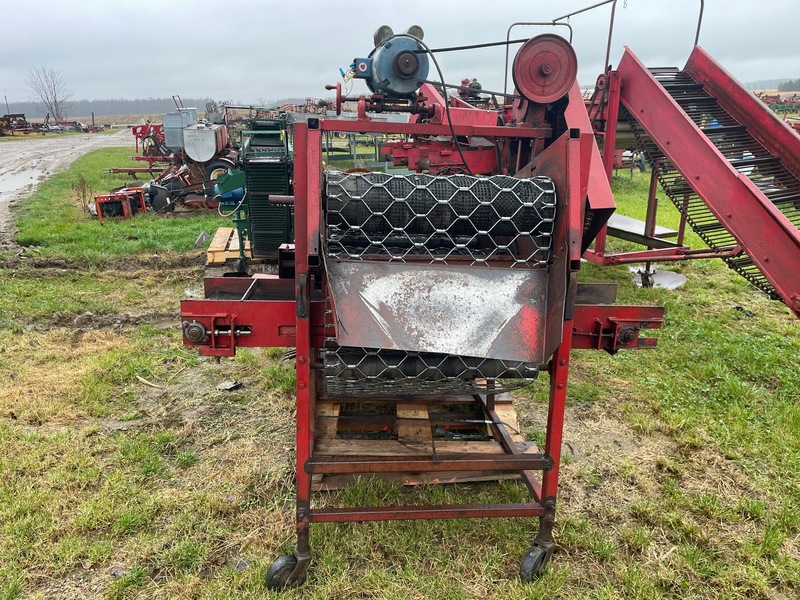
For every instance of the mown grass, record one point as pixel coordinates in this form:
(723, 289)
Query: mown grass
(69, 293)
(126, 472)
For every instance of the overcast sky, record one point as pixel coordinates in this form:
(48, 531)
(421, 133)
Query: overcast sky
(248, 50)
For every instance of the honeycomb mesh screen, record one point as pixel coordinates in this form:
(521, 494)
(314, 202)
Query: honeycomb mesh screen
(481, 220)
(362, 371)
(494, 221)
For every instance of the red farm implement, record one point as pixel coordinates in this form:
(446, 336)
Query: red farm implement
(122, 204)
(724, 160)
(455, 283)
(384, 269)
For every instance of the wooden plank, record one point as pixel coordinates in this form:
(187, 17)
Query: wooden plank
(327, 420)
(233, 243)
(414, 430)
(225, 246)
(219, 242)
(508, 415)
(413, 424)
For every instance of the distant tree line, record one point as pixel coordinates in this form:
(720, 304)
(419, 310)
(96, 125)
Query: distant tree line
(790, 85)
(119, 106)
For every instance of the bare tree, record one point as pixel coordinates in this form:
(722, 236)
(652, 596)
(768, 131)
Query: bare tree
(51, 91)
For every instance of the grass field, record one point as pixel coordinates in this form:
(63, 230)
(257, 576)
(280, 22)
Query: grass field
(128, 471)
(38, 136)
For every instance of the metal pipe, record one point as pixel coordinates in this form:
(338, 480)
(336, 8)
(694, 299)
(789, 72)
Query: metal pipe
(606, 66)
(582, 10)
(699, 22)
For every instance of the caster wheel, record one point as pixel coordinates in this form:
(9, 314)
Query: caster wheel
(534, 563)
(279, 572)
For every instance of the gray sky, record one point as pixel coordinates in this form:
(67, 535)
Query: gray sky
(249, 49)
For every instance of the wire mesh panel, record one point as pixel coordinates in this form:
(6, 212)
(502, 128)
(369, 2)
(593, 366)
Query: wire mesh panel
(363, 371)
(457, 220)
(480, 220)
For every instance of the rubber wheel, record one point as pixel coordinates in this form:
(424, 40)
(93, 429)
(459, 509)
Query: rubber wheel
(216, 169)
(279, 572)
(149, 146)
(533, 564)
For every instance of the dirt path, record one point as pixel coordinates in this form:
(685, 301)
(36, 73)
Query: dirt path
(27, 161)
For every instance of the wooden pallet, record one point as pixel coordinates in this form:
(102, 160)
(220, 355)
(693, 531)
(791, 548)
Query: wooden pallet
(408, 430)
(224, 246)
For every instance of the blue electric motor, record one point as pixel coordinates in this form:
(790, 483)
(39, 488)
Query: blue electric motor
(397, 66)
(230, 187)
(232, 197)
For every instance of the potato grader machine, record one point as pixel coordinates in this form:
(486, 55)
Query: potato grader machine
(446, 285)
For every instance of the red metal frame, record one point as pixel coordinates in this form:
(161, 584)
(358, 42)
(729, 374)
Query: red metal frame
(760, 229)
(437, 156)
(131, 200)
(150, 129)
(734, 200)
(279, 312)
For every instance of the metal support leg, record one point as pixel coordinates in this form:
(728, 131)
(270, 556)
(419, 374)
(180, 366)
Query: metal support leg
(290, 570)
(538, 555)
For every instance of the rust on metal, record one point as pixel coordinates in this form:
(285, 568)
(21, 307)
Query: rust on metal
(491, 313)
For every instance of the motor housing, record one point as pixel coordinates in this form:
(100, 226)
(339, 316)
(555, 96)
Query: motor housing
(397, 66)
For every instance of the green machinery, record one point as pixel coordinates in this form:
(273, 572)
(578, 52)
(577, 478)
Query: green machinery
(266, 159)
(266, 164)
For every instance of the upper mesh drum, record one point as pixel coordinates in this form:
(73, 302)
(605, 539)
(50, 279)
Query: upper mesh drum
(481, 220)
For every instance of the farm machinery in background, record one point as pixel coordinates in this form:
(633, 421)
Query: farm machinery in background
(188, 154)
(17, 124)
(781, 103)
(257, 195)
(197, 164)
(785, 105)
(417, 300)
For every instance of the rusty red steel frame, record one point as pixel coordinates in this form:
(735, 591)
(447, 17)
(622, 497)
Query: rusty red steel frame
(765, 233)
(281, 312)
(754, 195)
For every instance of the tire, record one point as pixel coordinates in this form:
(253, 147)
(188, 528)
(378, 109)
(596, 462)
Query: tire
(278, 574)
(533, 564)
(216, 168)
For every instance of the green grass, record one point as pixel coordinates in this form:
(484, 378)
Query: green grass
(684, 481)
(52, 223)
(72, 292)
(38, 136)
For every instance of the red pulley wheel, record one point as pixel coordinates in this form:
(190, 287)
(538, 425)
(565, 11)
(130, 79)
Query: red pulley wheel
(545, 68)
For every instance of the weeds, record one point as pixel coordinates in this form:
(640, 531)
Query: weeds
(82, 192)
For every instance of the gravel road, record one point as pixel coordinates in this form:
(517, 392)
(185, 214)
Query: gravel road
(27, 161)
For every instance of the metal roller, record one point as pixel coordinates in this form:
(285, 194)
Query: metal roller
(381, 214)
